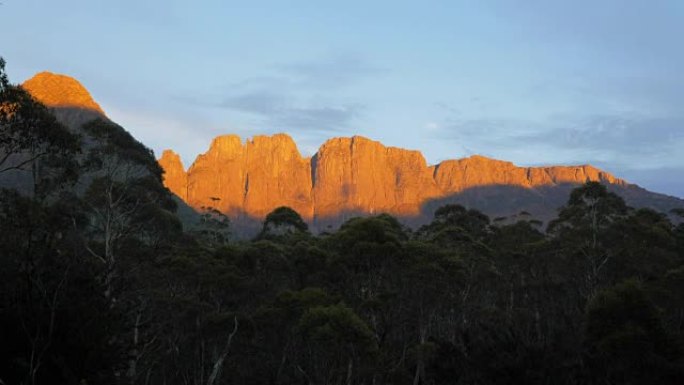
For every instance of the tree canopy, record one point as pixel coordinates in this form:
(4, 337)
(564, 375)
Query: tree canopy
(101, 283)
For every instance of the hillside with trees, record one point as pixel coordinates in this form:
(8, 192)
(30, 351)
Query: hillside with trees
(101, 284)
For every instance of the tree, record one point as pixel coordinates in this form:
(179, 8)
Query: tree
(32, 141)
(364, 266)
(282, 221)
(213, 227)
(431, 284)
(124, 188)
(626, 340)
(583, 230)
(337, 345)
(54, 323)
(129, 214)
(278, 333)
(644, 246)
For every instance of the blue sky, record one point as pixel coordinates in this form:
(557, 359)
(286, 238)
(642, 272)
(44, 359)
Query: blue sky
(531, 81)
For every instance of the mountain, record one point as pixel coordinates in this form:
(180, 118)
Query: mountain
(69, 100)
(347, 176)
(55, 90)
(358, 176)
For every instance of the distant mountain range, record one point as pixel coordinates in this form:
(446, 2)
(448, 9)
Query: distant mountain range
(349, 176)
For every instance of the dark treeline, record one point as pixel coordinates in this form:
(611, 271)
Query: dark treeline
(101, 284)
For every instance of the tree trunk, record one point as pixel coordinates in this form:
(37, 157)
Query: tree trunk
(133, 355)
(216, 370)
(420, 365)
(350, 366)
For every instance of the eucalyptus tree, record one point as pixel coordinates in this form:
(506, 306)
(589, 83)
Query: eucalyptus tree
(583, 232)
(34, 146)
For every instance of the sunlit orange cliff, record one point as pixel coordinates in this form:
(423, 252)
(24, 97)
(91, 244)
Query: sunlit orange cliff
(347, 176)
(66, 96)
(62, 91)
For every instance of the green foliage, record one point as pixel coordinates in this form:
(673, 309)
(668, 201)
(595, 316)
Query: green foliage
(378, 229)
(281, 222)
(586, 231)
(213, 227)
(337, 341)
(4, 82)
(33, 142)
(336, 326)
(114, 141)
(101, 284)
(471, 221)
(627, 340)
(591, 205)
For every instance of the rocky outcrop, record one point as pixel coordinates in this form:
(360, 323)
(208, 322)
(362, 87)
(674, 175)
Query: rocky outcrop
(60, 91)
(175, 178)
(453, 176)
(356, 176)
(71, 103)
(248, 179)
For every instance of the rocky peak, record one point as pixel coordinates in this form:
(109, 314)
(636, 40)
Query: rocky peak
(170, 157)
(175, 177)
(278, 147)
(357, 175)
(248, 179)
(61, 91)
(225, 146)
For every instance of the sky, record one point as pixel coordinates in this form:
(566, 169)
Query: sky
(535, 82)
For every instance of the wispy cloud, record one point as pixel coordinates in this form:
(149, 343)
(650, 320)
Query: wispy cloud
(624, 136)
(337, 71)
(274, 109)
(295, 97)
(624, 141)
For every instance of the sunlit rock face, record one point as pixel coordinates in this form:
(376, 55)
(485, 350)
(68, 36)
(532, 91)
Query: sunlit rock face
(453, 176)
(62, 91)
(347, 176)
(69, 100)
(248, 179)
(356, 176)
(175, 177)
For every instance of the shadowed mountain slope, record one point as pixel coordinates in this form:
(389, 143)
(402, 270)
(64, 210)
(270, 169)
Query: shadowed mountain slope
(74, 107)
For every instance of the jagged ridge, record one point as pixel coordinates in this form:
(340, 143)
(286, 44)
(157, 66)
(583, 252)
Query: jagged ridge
(346, 176)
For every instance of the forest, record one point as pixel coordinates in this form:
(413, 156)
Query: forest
(101, 282)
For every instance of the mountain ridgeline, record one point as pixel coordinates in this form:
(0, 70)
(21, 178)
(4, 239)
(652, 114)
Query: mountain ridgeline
(357, 176)
(348, 177)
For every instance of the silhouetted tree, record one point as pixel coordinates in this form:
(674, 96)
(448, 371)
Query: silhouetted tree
(282, 221)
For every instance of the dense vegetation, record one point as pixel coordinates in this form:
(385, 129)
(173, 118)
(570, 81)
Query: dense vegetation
(100, 284)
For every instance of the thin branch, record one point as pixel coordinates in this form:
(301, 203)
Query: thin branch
(219, 362)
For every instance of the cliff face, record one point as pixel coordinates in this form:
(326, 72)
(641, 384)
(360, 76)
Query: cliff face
(347, 176)
(71, 103)
(175, 177)
(61, 91)
(453, 176)
(249, 179)
(352, 176)
(358, 175)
